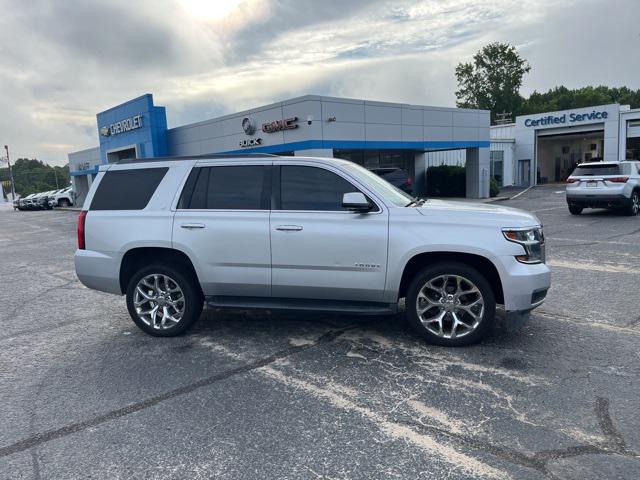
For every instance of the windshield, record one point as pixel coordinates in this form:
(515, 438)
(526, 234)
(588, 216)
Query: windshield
(383, 188)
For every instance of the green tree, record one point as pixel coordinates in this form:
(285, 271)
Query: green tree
(32, 176)
(493, 80)
(562, 98)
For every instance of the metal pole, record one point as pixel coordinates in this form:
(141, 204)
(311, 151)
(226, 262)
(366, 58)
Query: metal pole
(13, 188)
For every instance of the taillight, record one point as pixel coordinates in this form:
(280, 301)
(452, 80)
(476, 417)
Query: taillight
(81, 220)
(409, 181)
(617, 179)
(572, 180)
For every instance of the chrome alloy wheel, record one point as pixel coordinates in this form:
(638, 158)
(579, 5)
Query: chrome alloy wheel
(450, 306)
(635, 203)
(159, 301)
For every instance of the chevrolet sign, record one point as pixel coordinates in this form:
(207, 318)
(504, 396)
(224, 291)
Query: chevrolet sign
(126, 125)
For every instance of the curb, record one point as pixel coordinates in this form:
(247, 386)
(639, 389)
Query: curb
(496, 199)
(523, 191)
(502, 199)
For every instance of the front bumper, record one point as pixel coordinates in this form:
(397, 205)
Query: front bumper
(598, 201)
(524, 285)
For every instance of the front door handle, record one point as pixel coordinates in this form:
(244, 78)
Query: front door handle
(289, 228)
(190, 226)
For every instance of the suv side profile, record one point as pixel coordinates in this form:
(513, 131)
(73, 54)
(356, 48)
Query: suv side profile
(302, 233)
(604, 185)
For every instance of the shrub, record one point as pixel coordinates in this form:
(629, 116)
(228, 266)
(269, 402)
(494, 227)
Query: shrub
(446, 181)
(494, 189)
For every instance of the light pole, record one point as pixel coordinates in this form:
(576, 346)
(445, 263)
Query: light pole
(13, 188)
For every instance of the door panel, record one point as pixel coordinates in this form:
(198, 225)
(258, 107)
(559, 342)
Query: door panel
(334, 255)
(222, 222)
(231, 252)
(319, 250)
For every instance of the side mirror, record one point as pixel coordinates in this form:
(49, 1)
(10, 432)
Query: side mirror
(356, 201)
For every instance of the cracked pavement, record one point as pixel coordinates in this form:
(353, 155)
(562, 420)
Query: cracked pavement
(85, 394)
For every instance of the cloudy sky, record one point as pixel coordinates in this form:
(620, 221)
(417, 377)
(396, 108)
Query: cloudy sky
(62, 61)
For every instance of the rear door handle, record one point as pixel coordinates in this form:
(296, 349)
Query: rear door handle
(289, 228)
(190, 226)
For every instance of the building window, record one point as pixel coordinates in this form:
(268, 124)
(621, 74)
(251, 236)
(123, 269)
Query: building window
(633, 148)
(379, 158)
(496, 159)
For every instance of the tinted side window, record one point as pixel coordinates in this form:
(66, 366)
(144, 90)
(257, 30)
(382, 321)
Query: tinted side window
(127, 189)
(227, 188)
(312, 188)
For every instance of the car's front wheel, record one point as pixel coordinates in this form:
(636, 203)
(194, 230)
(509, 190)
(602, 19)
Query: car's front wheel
(451, 304)
(163, 300)
(634, 204)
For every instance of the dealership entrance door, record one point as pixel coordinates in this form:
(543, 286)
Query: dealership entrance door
(558, 154)
(124, 153)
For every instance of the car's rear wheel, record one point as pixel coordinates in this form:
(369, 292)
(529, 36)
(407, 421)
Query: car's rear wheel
(64, 203)
(634, 204)
(575, 210)
(451, 304)
(163, 300)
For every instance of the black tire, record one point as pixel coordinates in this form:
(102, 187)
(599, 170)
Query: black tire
(634, 204)
(484, 325)
(575, 210)
(64, 203)
(193, 300)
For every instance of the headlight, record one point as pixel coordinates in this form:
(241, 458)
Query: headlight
(531, 239)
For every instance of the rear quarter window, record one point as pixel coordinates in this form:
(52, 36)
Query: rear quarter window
(127, 189)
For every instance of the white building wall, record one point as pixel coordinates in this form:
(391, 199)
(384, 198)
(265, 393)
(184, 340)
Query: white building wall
(503, 139)
(508, 173)
(84, 160)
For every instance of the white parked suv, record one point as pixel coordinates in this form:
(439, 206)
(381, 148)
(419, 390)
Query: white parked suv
(323, 234)
(62, 198)
(604, 185)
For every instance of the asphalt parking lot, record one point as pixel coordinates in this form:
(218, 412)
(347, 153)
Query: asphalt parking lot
(85, 394)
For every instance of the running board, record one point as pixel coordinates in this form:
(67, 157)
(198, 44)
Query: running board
(336, 306)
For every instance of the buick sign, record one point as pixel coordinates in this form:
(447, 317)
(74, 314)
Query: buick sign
(250, 142)
(126, 125)
(249, 125)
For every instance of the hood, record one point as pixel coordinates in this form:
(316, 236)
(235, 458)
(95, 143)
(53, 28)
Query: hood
(477, 213)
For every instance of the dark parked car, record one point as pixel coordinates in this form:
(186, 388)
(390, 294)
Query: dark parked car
(398, 177)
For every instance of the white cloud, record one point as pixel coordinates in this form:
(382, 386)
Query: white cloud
(65, 61)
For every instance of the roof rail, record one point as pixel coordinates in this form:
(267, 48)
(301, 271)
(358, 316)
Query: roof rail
(211, 156)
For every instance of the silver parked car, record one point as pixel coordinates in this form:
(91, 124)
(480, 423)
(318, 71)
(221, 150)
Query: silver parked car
(604, 185)
(302, 233)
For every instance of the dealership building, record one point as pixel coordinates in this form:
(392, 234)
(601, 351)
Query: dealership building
(535, 149)
(373, 134)
(546, 147)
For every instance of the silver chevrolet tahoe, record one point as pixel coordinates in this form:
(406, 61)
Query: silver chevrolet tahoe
(322, 234)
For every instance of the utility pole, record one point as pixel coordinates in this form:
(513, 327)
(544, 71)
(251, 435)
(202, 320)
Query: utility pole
(13, 187)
